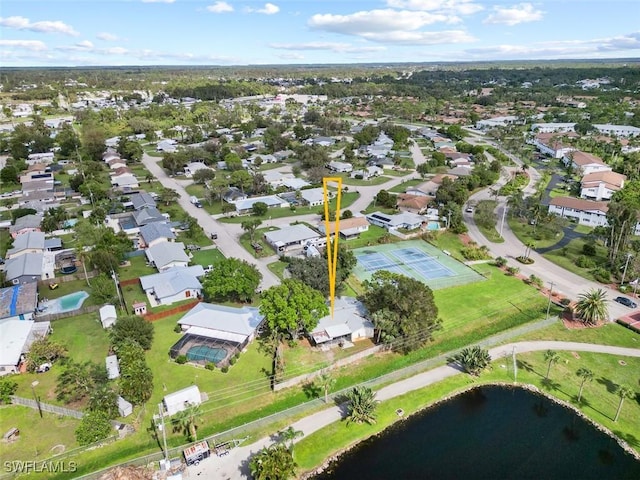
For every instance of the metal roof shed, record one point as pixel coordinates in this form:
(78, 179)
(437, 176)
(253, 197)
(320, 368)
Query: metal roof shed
(181, 400)
(113, 369)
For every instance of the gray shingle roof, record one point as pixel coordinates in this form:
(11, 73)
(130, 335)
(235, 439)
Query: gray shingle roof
(27, 241)
(173, 281)
(29, 264)
(155, 230)
(164, 253)
(148, 215)
(28, 221)
(142, 200)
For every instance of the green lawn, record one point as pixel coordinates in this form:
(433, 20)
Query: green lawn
(346, 200)
(370, 237)
(38, 436)
(608, 334)
(278, 267)
(65, 288)
(266, 251)
(207, 257)
(574, 250)
(347, 180)
(527, 234)
(213, 208)
(450, 242)
(401, 188)
(599, 402)
(137, 268)
(583, 229)
(490, 233)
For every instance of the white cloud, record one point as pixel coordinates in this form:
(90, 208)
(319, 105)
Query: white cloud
(158, 1)
(107, 37)
(328, 46)
(461, 7)
(220, 7)
(85, 44)
(47, 26)
(521, 13)
(268, 9)
(291, 56)
(113, 51)
(33, 45)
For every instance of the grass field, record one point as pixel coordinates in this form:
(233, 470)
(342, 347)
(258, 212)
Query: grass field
(573, 251)
(207, 257)
(599, 402)
(401, 188)
(526, 234)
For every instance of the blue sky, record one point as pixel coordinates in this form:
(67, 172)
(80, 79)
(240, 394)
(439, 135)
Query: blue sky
(235, 32)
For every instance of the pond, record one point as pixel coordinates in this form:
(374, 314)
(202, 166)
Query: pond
(489, 432)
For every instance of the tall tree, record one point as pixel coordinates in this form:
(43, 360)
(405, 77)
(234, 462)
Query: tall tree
(409, 309)
(273, 463)
(585, 375)
(326, 382)
(291, 309)
(187, 420)
(622, 218)
(132, 328)
(551, 357)
(592, 306)
(623, 392)
(250, 226)
(232, 279)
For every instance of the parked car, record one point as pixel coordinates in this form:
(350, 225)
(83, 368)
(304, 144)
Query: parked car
(45, 367)
(208, 268)
(193, 248)
(626, 302)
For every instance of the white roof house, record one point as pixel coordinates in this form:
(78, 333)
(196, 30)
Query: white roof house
(182, 399)
(272, 201)
(406, 220)
(29, 242)
(108, 316)
(292, 237)
(16, 337)
(232, 324)
(113, 367)
(165, 255)
(340, 166)
(349, 322)
(295, 183)
(124, 408)
(193, 167)
(312, 196)
(174, 284)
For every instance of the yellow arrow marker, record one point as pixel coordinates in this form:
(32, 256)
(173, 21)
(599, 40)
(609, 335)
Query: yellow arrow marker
(332, 248)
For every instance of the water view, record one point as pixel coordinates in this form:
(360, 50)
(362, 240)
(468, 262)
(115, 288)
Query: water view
(489, 432)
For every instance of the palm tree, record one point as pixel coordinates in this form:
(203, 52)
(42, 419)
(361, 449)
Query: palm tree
(623, 391)
(586, 375)
(474, 360)
(551, 357)
(362, 405)
(592, 306)
(289, 435)
(187, 421)
(273, 463)
(326, 381)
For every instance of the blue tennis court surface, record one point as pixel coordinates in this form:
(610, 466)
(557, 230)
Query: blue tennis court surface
(416, 259)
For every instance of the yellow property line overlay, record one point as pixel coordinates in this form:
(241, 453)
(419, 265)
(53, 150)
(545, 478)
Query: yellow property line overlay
(332, 248)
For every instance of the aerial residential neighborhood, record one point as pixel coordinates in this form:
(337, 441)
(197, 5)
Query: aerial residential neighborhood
(166, 290)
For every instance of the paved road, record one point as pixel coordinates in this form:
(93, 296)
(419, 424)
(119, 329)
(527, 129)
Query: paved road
(228, 239)
(234, 465)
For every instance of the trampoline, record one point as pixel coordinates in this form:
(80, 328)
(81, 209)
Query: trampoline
(199, 353)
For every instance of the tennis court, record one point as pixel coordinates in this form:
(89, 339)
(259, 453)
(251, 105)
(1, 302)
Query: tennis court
(416, 259)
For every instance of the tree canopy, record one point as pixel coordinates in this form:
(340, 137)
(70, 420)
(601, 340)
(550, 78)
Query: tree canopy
(402, 308)
(132, 328)
(232, 279)
(313, 271)
(291, 309)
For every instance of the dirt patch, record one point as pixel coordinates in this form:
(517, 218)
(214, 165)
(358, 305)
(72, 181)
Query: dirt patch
(465, 239)
(576, 355)
(574, 324)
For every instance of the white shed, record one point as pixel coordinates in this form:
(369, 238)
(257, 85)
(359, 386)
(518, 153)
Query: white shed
(182, 399)
(108, 316)
(113, 369)
(124, 408)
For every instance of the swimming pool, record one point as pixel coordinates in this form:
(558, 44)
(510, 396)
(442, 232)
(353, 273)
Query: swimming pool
(206, 353)
(432, 225)
(68, 303)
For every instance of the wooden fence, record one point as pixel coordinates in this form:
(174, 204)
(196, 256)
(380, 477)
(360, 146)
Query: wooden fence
(152, 317)
(57, 316)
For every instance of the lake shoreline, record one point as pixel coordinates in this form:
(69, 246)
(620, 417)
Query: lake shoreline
(529, 387)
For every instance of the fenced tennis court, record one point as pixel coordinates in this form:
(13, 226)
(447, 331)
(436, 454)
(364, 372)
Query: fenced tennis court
(416, 259)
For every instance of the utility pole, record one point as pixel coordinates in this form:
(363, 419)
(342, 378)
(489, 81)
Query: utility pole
(36, 398)
(515, 366)
(504, 214)
(626, 264)
(115, 281)
(161, 427)
(550, 294)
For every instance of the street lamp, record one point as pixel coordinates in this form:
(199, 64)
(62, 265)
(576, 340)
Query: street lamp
(551, 285)
(34, 384)
(626, 264)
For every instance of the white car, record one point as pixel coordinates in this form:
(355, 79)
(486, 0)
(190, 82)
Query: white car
(45, 367)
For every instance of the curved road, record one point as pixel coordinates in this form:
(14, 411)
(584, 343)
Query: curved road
(234, 465)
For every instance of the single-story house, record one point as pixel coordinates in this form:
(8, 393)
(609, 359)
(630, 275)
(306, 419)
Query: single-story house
(312, 197)
(585, 163)
(292, 238)
(368, 172)
(349, 323)
(16, 337)
(28, 223)
(276, 179)
(272, 201)
(407, 202)
(18, 302)
(142, 200)
(108, 316)
(585, 212)
(295, 183)
(181, 400)
(193, 167)
(124, 408)
(406, 220)
(166, 255)
(167, 145)
(460, 171)
(116, 164)
(52, 244)
(266, 158)
(113, 368)
(25, 268)
(340, 167)
(601, 185)
(30, 242)
(154, 233)
(282, 155)
(173, 285)
(217, 324)
(148, 215)
(553, 127)
(233, 195)
(322, 141)
(349, 227)
(125, 180)
(35, 158)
